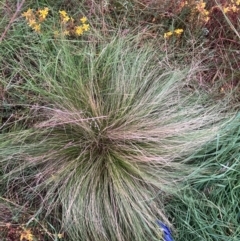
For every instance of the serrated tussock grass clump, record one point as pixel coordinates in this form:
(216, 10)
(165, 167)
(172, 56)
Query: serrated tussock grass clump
(112, 125)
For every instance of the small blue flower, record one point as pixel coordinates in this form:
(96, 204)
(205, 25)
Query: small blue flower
(167, 236)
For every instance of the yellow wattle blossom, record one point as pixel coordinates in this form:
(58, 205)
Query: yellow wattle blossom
(83, 20)
(178, 31)
(78, 30)
(43, 13)
(85, 27)
(168, 34)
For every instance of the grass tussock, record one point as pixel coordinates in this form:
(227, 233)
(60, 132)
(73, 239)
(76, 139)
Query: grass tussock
(102, 136)
(109, 135)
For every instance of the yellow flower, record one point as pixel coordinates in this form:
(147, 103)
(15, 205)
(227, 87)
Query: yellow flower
(56, 33)
(78, 30)
(85, 27)
(205, 12)
(66, 32)
(64, 16)
(28, 14)
(206, 19)
(26, 235)
(63, 13)
(60, 235)
(238, 2)
(200, 6)
(83, 20)
(31, 22)
(226, 9)
(168, 34)
(65, 19)
(178, 31)
(43, 13)
(234, 8)
(37, 28)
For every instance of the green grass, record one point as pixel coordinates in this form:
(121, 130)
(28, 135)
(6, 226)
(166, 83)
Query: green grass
(103, 135)
(208, 206)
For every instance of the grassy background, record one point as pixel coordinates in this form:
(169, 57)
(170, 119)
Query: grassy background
(103, 134)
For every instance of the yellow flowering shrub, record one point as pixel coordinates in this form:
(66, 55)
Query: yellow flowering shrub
(67, 25)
